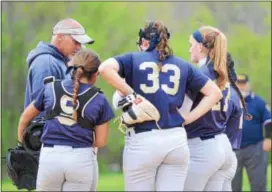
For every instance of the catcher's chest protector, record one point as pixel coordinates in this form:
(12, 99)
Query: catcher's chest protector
(22, 168)
(64, 104)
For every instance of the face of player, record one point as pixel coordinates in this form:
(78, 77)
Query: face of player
(195, 50)
(144, 46)
(244, 88)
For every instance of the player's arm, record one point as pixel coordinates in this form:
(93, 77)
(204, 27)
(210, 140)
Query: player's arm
(30, 113)
(101, 135)
(27, 116)
(212, 94)
(110, 69)
(102, 128)
(197, 81)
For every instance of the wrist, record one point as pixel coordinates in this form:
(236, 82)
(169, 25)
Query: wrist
(19, 143)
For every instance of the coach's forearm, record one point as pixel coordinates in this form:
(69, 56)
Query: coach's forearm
(203, 107)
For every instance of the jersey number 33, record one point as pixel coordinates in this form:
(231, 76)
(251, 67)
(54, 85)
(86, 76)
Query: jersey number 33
(154, 77)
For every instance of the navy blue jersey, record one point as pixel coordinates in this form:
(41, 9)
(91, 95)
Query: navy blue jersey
(97, 111)
(253, 129)
(214, 121)
(234, 119)
(164, 88)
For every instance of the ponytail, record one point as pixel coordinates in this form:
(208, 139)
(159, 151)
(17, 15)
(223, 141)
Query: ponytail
(216, 43)
(157, 34)
(163, 46)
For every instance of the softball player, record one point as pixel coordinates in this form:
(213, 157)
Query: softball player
(77, 116)
(156, 155)
(233, 126)
(206, 139)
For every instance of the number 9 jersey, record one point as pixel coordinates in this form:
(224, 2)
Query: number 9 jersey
(164, 86)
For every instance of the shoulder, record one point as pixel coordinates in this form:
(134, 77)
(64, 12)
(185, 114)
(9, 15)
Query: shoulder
(258, 98)
(127, 54)
(178, 60)
(44, 61)
(181, 63)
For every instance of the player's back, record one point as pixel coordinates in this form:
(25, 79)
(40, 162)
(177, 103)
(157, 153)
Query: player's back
(214, 121)
(164, 86)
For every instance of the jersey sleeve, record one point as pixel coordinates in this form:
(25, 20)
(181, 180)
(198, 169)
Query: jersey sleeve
(39, 99)
(106, 113)
(196, 79)
(125, 64)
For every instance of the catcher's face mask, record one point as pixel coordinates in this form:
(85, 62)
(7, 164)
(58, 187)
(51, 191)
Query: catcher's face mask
(152, 35)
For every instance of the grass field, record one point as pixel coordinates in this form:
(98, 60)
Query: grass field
(114, 182)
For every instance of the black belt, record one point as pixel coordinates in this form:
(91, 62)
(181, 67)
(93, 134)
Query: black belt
(146, 130)
(51, 145)
(207, 137)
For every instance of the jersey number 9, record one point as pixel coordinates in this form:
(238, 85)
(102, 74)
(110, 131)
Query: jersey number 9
(154, 77)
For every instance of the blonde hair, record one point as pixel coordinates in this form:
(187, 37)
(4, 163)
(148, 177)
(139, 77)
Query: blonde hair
(216, 43)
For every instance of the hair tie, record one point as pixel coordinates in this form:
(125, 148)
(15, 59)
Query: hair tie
(75, 67)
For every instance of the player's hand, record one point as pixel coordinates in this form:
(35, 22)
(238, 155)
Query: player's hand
(267, 144)
(185, 116)
(127, 101)
(19, 146)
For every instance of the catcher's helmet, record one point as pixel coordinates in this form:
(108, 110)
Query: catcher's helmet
(22, 168)
(32, 135)
(152, 34)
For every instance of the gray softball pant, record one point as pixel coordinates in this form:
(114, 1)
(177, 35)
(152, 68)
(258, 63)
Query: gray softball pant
(63, 168)
(221, 179)
(206, 158)
(156, 160)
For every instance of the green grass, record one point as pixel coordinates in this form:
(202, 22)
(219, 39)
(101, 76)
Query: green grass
(115, 182)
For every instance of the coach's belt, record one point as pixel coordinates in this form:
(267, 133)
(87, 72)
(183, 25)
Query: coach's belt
(51, 145)
(206, 137)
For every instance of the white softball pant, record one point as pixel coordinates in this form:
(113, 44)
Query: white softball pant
(206, 158)
(156, 160)
(221, 180)
(63, 168)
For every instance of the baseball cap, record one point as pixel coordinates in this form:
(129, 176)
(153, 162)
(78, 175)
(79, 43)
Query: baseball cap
(73, 28)
(242, 78)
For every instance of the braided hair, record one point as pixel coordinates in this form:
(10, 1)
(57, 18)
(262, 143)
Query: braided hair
(85, 63)
(232, 79)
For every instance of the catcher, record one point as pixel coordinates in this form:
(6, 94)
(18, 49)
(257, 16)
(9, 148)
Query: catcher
(156, 154)
(76, 121)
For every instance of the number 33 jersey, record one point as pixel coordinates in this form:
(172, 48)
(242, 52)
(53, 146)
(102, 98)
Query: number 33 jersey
(164, 86)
